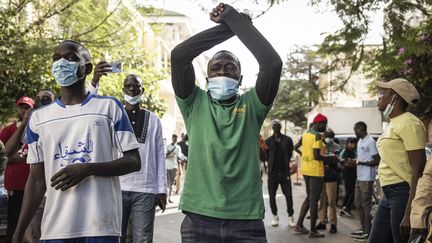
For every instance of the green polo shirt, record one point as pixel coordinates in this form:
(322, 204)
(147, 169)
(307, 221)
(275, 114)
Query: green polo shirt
(223, 178)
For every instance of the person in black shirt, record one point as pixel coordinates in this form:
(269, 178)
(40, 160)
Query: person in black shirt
(349, 173)
(279, 156)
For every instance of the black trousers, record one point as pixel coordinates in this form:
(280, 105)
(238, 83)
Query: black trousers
(15, 199)
(282, 179)
(350, 178)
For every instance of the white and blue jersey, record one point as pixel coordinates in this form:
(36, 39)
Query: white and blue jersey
(96, 131)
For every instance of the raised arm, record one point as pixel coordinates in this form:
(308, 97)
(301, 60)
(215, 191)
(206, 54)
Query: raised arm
(14, 142)
(182, 71)
(270, 64)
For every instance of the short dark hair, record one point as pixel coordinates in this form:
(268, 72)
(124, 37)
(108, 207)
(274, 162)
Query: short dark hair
(229, 53)
(350, 140)
(134, 76)
(82, 50)
(361, 125)
(48, 90)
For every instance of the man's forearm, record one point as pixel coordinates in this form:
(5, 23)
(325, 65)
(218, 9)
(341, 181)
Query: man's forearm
(13, 144)
(34, 192)
(183, 76)
(122, 166)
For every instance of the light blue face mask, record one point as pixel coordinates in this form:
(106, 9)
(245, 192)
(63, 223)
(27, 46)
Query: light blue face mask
(65, 72)
(222, 88)
(389, 108)
(133, 100)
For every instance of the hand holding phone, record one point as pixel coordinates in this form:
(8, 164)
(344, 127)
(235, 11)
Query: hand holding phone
(116, 67)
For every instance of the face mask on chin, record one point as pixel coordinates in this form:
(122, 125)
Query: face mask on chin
(133, 100)
(389, 108)
(65, 72)
(222, 88)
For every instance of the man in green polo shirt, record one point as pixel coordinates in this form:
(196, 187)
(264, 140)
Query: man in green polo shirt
(222, 196)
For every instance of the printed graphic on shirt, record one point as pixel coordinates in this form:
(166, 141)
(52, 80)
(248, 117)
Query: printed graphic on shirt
(79, 153)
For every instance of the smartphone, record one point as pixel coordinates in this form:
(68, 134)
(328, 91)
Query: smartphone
(116, 67)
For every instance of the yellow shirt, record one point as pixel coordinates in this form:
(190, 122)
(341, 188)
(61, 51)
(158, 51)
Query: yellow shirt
(404, 133)
(310, 167)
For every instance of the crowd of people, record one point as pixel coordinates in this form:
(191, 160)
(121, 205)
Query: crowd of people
(88, 168)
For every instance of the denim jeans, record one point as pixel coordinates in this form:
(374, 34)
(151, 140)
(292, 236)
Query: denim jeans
(390, 214)
(140, 207)
(201, 229)
(98, 239)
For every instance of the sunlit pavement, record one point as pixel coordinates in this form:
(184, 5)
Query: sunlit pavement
(167, 224)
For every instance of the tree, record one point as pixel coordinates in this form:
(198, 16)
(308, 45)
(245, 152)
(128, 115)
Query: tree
(298, 91)
(110, 32)
(406, 48)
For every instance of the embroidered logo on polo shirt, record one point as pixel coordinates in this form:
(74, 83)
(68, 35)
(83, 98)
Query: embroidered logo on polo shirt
(97, 123)
(240, 110)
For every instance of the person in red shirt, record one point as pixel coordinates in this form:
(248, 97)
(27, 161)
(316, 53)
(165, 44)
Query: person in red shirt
(17, 170)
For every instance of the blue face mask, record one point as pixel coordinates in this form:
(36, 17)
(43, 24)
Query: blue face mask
(222, 88)
(65, 72)
(133, 100)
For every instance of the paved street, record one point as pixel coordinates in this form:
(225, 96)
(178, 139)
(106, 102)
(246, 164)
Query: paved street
(167, 225)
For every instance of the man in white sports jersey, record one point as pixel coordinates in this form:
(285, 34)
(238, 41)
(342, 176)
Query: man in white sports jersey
(78, 146)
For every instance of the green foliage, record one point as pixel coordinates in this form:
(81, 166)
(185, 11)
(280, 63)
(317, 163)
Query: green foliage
(406, 49)
(298, 89)
(110, 33)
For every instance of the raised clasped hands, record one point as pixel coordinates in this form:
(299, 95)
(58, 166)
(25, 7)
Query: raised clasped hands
(219, 13)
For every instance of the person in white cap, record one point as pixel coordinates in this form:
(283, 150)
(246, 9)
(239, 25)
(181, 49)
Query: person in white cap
(402, 151)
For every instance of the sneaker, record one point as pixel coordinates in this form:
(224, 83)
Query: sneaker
(333, 229)
(315, 235)
(301, 230)
(291, 222)
(357, 232)
(275, 221)
(361, 240)
(346, 212)
(341, 213)
(321, 226)
(169, 200)
(359, 237)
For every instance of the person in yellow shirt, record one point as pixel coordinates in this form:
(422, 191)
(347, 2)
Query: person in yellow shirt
(313, 173)
(402, 151)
